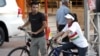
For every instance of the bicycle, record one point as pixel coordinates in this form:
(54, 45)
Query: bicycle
(24, 50)
(54, 52)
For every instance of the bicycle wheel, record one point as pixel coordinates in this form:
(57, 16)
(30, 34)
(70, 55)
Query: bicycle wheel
(20, 51)
(51, 53)
(68, 53)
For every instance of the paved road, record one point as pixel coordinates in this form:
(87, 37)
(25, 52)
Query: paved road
(8, 46)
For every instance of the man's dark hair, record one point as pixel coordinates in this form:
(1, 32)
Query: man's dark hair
(34, 3)
(75, 16)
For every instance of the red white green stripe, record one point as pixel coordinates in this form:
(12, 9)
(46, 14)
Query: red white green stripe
(74, 36)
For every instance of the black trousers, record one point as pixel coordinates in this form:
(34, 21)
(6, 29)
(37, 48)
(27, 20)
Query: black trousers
(70, 45)
(66, 39)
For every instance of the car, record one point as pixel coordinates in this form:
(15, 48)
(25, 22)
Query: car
(10, 19)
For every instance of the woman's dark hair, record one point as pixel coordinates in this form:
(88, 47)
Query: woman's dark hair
(75, 16)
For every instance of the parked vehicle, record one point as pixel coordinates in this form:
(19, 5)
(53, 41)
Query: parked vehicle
(10, 19)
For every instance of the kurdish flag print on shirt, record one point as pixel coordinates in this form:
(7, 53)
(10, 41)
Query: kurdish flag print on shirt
(74, 36)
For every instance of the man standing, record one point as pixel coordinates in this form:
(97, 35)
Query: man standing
(38, 24)
(60, 19)
(61, 12)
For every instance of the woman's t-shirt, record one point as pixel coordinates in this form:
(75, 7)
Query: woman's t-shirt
(76, 35)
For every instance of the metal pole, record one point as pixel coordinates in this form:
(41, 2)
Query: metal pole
(98, 21)
(86, 19)
(46, 10)
(46, 16)
(86, 23)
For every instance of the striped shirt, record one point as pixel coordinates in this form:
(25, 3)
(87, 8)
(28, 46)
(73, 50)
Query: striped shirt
(76, 35)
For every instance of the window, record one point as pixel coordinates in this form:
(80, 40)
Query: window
(77, 2)
(2, 3)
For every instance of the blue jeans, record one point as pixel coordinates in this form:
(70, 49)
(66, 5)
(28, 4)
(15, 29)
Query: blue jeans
(70, 45)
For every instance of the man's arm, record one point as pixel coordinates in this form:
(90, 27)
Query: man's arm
(26, 23)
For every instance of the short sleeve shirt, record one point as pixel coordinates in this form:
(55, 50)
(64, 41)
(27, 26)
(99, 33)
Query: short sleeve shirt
(76, 35)
(60, 15)
(36, 23)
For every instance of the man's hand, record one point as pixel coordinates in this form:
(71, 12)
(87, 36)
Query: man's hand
(35, 33)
